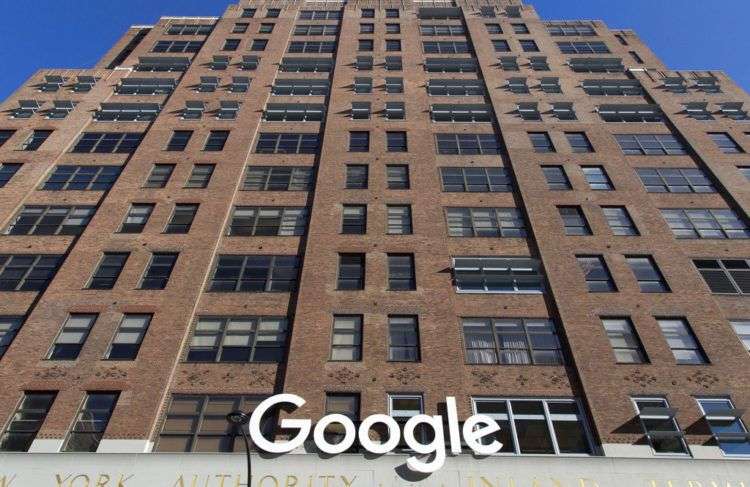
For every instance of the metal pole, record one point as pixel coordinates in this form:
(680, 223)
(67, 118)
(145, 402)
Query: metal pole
(247, 453)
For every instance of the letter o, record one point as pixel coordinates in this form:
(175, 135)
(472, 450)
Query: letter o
(350, 433)
(394, 434)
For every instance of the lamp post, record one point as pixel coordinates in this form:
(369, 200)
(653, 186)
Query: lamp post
(239, 419)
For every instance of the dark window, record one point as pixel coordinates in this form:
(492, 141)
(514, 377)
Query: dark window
(401, 274)
(159, 176)
(248, 13)
(346, 343)
(129, 336)
(392, 45)
(231, 45)
(7, 171)
(446, 47)
(177, 46)
(108, 142)
(182, 218)
(651, 145)
(393, 29)
(82, 178)
(579, 142)
(320, 14)
(278, 178)
(396, 141)
(91, 422)
(675, 180)
(27, 272)
(516, 275)
(158, 271)
(398, 220)
(520, 28)
(294, 112)
(729, 431)
(403, 338)
(455, 87)
(238, 339)
(500, 45)
(397, 176)
(200, 176)
(51, 220)
(725, 143)
(359, 141)
(354, 219)
(362, 85)
(513, 341)
(9, 326)
(255, 273)
(240, 28)
(556, 178)
(216, 140)
(660, 427)
(476, 179)
(259, 45)
(368, 13)
(179, 140)
(308, 87)
(287, 143)
(619, 220)
(356, 176)
(137, 217)
(571, 30)
(682, 341)
(312, 47)
(541, 142)
(528, 45)
(365, 45)
(5, 135)
(485, 222)
(725, 276)
(597, 178)
(365, 28)
(468, 144)
(26, 421)
(705, 223)
(272, 13)
(494, 28)
(391, 13)
(72, 336)
(596, 273)
(37, 138)
(648, 275)
(583, 47)
(268, 221)
(624, 340)
(574, 220)
(351, 274)
(109, 269)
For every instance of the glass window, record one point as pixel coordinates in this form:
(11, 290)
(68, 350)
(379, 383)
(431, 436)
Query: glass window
(200, 176)
(485, 222)
(7, 171)
(287, 143)
(468, 144)
(396, 142)
(681, 340)
(356, 176)
(137, 217)
(108, 142)
(476, 179)
(72, 336)
(403, 338)
(82, 178)
(346, 342)
(238, 339)
(397, 176)
(354, 219)
(179, 140)
(574, 220)
(36, 139)
(109, 269)
(726, 425)
(556, 178)
(27, 272)
(182, 218)
(651, 145)
(675, 180)
(351, 274)
(129, 336)
(619, 220)
(624, 340)
(359, 141)
(515, 341)
(659, 425)
(401, 407)
(159, 176)
(158, 271)
(255, 273)
(399, 219)
(579, 142)
(216, 140)
(725, 276)
(401, 274)
(740, 327)
(256, 221)
(648, 275)
(517, 275)
(9, 326)
(51, 220)
(26, 421)
(725, 143)
(705, 223)
(597, 178)
(541, 142)
(278, 178)
(596, 273)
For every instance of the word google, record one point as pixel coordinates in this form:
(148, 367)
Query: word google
(474, 429)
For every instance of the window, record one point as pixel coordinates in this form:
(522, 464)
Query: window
(197, 423)
(619, 220)
(238, 339)
(541, 142)
(9, 326)
(399, 219)
(278, 178)
(260, 221)
(158, 271)
(159, 176)
(574, 220)
(248, 13)
(72, 336)
(36, 139)
(27, 272)
(394, 85)
(351, 276)
(514, 341)
(636, 57)
(320, 14)
(193, 110)
(493, 28)
(745, 170)
(392, 45)
(705, 223)
(391, 13)
(396, 141)
(287, 143)
(137, 217)
(294, 112)
(208, 84)
(27, 108)
(228, 110)
(741, 328)
(596, 65)
(395, 110)
(309, 87)
(624, 340)
(468, 144)
(439, 13)
(583, 47)
(52, 83)
(579, 142)
(651, 145)
(476, 179)
(570, 29)
(528, 45)
(368, 13)
(682, 341)
(403, 338)
(129, 336)
(455, 87)
(461, 113)
(518, 86)
(255, 273)
(597, 178)
(441, 30)
(354, 219)
(362, 85)
(364, 63)
(231, 44)
(725, 143)
(109, 269)
(177, 46)
(317, 29)
(179, 140)
(51, 220)
(366, 28)
(359, 141)
(725, 276)
(272, 13)
(596, 273)
(707, 84)
(537, 426)
(487, 12)
(26, 421)
(517, 275)
(632, 113)
(200, 176)
(81, 178)
(450, 65)
(529, 111)
(356, 176)
(250, 63)
(446, 47)
(127, 112)
(648, 275)
(360, 110)
(240, 28)
(733, 110)
(612, 87)
(5, 135)
(346, 343)
(675, 180)
(402, 407)
(659, 426)
(393, 29)
(539, 63)
(313, 47)
(162, 64)
(216, 140)
(397, 176)
(729, 432)
(556, 178)
(182, 218)
(520, 28)
(91, 422)
(485, 222)
(7, 171)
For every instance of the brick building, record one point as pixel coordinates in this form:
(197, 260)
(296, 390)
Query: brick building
(375, 206)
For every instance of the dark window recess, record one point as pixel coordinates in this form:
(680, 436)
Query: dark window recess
(238, 339)
(27, 272)
(51, 220)
(182, 218)
(91, 422)
(72, 336)
(351, 273)
(137, 217)
(159, 176)
(725, 276)
(179, 140)
(26, 422)
(158, 271)
(82, 178)
(127, 341)
(216, 140)
(108, 142)
(401, 274)
(109, 269)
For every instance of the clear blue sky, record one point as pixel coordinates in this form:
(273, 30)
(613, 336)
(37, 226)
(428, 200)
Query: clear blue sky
(686, 34)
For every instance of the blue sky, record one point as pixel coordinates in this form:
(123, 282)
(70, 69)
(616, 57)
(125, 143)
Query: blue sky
(686, 34)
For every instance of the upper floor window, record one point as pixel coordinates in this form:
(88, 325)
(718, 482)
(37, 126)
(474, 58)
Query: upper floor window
(36, 139)
(82, 178)
(596, 65)
(726, 143)
(570, 29)
(725, 276)
(403, 338)
(130, 333)
(287, 143)
(476, 179)
(727, 427)
(485, 222)
(619, 220)
(596, 273)
(624, 340)
(109, 269)
(159, 176)
(177, 46)
(91, 422)
(647, 273)
(158, 271)
(268, 221)
(27, 420)
(658, 423)
(583, 47)
(556, 178)
(179, 140)
(278, 178)
(189, 29)
(27, 272)
(351, 272)
(519, 275)
(612, 87)
(108, 142)
(597, 178)
(705, 223)
(9, 326)
(238, 339)
(51, 220)
(681, 340)
(541, 142)
(255, 273)
(468, 144)
(514, 341)
(320, 14)
(72, 336)
(675, 180)
(651, 145)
